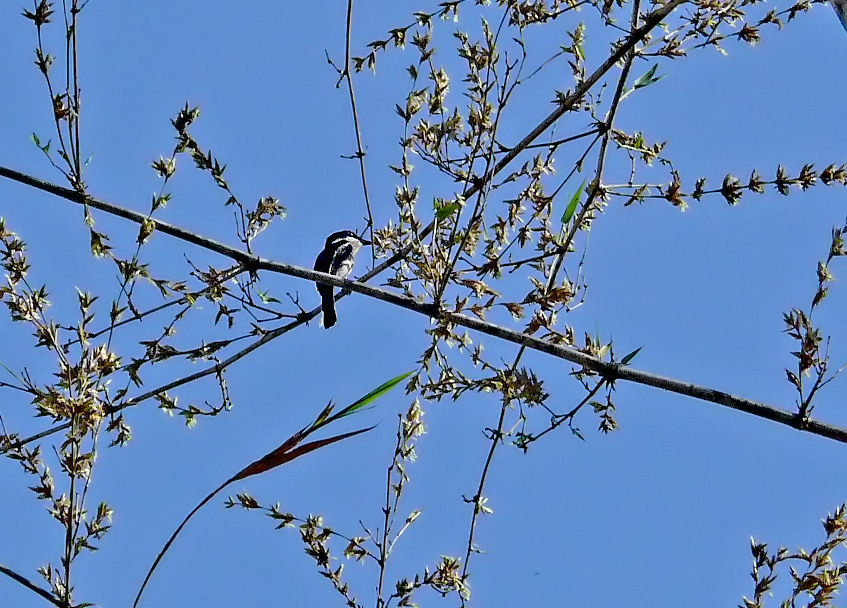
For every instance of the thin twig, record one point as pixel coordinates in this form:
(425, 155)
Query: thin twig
(360, 152)
(30, 585)
(382, 545)
(496, 438)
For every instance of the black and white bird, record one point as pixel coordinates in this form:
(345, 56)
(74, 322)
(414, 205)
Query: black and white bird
(337, 258)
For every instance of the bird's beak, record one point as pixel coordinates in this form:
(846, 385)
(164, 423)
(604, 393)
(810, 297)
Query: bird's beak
(365, 241)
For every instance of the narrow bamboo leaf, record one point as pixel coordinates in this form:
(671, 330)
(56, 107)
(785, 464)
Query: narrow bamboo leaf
(630, 356)
(319, 443)
(363, 401)
(645, 79)
(571, 208)
(288, 452)
(272, 459)
(267, 298)
(648, 78)
(324, 414)
(447, 210)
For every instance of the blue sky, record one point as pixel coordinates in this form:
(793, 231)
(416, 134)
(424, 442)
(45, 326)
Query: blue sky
(658, 513)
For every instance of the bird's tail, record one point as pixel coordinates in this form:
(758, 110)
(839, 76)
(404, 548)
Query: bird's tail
(327, 305)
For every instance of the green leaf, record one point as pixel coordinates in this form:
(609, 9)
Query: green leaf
(35, 140)
(323, 415)
(265, 297)
(571, 208)
(447, 210)
(648, 78)
(363, 401)
(630, 356)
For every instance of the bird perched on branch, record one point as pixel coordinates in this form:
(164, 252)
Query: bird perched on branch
(840, 7)
(337, 258)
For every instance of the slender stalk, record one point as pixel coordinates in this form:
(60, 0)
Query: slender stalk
(360, 152)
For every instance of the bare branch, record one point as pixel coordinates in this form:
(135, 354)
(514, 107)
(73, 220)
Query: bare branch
(30, 585)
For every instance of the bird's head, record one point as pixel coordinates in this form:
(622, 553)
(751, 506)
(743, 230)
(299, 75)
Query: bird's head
(346, 235)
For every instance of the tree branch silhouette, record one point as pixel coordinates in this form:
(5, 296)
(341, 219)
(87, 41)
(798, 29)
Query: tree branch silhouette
(610, 370)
